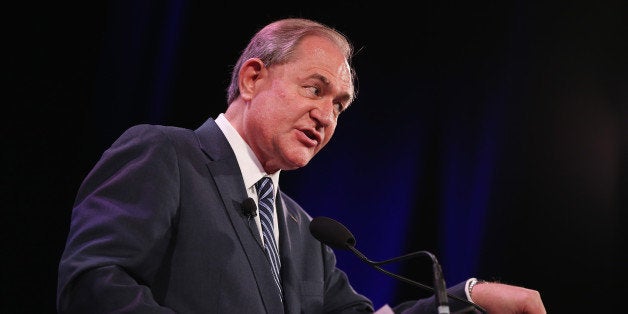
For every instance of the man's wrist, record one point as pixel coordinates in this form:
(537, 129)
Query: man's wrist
(470, 284)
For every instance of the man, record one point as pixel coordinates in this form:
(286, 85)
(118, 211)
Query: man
(163, 223)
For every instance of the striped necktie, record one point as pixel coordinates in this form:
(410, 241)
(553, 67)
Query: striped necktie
(266, 203)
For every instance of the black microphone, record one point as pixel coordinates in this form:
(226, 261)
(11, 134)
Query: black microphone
(249, 208)
(336, 235)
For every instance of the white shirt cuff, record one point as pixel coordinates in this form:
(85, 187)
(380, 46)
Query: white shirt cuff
(468, 286)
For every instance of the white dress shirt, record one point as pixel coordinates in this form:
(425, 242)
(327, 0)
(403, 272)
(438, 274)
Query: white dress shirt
(251, 168)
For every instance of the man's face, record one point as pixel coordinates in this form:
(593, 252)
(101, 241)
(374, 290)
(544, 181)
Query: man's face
(293, 112)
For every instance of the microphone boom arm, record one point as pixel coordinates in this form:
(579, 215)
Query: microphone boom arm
(331, 232)
(376, 265)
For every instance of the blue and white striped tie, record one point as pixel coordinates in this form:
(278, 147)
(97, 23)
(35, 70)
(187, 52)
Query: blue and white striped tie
(266, 203)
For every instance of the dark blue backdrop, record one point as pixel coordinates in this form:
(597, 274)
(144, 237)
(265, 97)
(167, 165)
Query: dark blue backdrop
(491, 134)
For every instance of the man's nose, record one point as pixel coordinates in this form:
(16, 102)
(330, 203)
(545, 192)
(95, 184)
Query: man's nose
(324, 114)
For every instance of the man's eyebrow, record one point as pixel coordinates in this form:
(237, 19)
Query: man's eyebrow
(321, 78)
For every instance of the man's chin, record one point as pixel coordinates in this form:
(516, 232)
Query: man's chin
(298, 161)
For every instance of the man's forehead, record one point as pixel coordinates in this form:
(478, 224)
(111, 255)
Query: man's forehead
(324, 57)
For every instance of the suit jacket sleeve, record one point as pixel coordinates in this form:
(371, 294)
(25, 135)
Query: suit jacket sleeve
(123, 214)
(340, 297)
(428, 305)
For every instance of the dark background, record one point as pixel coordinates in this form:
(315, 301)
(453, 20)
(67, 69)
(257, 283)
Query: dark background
(492, 134)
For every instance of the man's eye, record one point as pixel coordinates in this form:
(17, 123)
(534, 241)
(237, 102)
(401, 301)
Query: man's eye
(314, 90)
(338, 107)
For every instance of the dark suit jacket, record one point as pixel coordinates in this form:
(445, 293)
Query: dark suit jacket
(158, 227)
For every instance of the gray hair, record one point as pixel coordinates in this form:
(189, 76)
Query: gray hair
(276, 43)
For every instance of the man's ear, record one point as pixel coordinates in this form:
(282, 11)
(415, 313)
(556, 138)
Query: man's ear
(250, 72)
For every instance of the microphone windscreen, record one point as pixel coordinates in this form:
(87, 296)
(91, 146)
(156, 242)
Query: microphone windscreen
(331, 232)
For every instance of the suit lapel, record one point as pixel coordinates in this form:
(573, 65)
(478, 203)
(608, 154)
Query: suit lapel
(225, 173)
(289, 226)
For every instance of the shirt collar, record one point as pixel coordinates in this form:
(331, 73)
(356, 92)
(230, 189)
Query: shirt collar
(250, 167)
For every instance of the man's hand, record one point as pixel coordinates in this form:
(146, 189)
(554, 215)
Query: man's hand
(500, 298)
